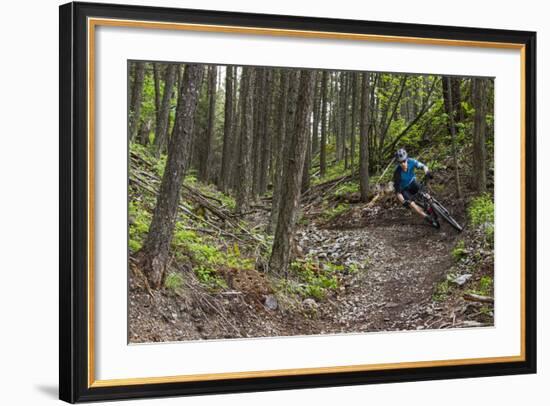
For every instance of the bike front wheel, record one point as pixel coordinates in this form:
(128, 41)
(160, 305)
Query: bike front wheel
(443, 212)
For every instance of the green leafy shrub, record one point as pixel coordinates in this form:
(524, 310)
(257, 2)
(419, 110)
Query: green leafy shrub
(330, 213)
(482, 210)
(482, 214)
(160, 164)
(459, 251)
(139, 220)
(208, 276)
(174, 281)
(484, 286)
(227, 200)
(190, 179)
(442, 290)
(346, 189)
(314, 291)
(333, 171)
(316, 278)
(183, 236)
(207, 257)
(435, 165)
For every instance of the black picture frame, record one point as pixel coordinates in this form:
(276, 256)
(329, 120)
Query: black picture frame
(74, 382)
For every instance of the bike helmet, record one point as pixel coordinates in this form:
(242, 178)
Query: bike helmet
(401, 155)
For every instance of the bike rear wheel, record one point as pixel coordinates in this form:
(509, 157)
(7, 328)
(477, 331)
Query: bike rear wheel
(443, 212)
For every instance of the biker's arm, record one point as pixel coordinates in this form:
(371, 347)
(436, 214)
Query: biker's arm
(422, 166)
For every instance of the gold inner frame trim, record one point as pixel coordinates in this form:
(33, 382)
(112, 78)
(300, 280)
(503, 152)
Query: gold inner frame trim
(93, 22)
(297, 33)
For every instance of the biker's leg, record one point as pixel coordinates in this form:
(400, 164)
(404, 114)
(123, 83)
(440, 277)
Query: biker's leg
(418, 209)
(406, 195)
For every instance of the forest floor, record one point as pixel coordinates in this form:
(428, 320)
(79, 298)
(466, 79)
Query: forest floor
(395, 272)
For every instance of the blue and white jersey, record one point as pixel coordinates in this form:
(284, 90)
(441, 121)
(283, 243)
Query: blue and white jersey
(402, 179)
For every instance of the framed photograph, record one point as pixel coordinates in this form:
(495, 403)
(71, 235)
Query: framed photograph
(257, 202)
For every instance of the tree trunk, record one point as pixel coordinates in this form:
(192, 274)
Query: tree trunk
(154, 255)
(137, 94)
(144, 131)
(451, 87)
(266, 130)
(342, 114)
(130, 90)
(179, 75)
(479, 173)
(292, 177)
(201, 124)
(316, 114)
(257, 136)
(244, 185)
(345, 113)
(307, 160)
(164, 113)
(353, 116)
(363, 139)
(333, 119)
(206, 156)
(225, 173)
(156, 79)
(279, 149)
(323, 146)
(373, 163)
(236, 132)
(453, 136)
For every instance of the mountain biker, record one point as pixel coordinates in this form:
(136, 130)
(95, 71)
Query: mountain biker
(406, 186)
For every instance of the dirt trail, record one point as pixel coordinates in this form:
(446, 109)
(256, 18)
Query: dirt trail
(400, 258)
(405, 258)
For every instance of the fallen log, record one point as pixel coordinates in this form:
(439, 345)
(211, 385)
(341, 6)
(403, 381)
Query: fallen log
(472, 297)
(328, 185)
(195, 195)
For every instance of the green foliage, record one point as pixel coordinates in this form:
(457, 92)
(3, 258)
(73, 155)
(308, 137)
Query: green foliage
(486, 311)
(228, 201)
(303, 221)
(207, 258)
(469, 110)
(442, 290)
(173, 281)
(209, 277)
(333, 171)
(191, 179)
(332, 212)
(139, 220)
(315, 278)
(378, 178)
(482, 213)
(435, 165)
(484, 287)
(160, 164)
(482, 210)
(459, 252)
(142, 152)
(183, 236)
(346, 189)
(148, 107)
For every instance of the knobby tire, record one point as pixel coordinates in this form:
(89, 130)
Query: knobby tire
(444, 213)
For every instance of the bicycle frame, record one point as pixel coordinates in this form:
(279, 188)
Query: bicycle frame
(422, 197)
(432, 207)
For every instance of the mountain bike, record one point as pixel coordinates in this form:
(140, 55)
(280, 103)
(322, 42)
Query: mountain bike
(433, 207)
